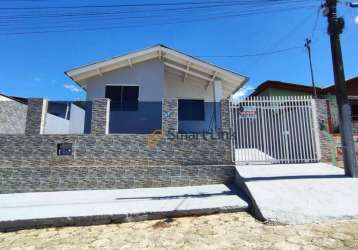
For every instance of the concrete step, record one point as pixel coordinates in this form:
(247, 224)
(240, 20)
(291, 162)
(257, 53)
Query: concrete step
(68, 208)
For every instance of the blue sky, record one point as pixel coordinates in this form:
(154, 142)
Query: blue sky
(33, 65)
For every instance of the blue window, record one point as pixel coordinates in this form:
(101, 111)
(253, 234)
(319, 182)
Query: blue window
(123, 98)
(191, 110)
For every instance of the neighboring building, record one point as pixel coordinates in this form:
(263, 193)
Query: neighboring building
(12, 114)
(61, 118)
(137, 83)
(4, 97)
(277, 88)
(352, 92)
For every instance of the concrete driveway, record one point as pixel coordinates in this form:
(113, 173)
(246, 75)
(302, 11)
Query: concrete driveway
(299, 193)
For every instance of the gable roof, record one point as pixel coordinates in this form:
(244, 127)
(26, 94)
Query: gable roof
(22, 100)
(173, 59)
(284, 85)
(351, 84)
(352, 87)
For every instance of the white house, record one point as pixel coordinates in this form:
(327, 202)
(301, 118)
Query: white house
(137, 83)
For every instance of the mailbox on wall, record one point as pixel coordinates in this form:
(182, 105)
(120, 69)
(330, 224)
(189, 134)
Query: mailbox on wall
(64, 149)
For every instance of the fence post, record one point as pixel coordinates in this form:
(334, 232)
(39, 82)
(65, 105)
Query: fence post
(100, 116)
(36, 116)
(225, 116)
(170, 115)
(321, 116)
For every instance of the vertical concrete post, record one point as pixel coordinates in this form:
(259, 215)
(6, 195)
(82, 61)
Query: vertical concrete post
(326, 145)
(225, 115)
(170, 115)
(36, 116)
(217, 97)
(100, 116)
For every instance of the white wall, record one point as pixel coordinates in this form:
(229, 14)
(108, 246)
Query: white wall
(60, 126)
(77, 120)
(154, 83)
(149, 76)
(191, 88)
(56, 125)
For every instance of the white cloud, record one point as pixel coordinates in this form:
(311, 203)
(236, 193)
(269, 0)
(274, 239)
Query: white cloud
(356, 20)
(244, 91)
(71, 87)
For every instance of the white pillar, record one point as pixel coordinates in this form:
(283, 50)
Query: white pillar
(217, 91)
(217, 97)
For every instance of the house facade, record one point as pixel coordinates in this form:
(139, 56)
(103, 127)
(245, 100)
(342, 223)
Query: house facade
(137, 83)
(153, 118)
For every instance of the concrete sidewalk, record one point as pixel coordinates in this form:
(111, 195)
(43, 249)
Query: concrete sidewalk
(299, 193)
(28, 210)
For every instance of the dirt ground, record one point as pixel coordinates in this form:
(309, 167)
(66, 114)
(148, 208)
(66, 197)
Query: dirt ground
(220, 231)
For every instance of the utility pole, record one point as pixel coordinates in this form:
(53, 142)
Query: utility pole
(335, 28)
(308, 46)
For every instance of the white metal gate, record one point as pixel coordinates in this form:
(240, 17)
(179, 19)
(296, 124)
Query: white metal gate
(274, 130)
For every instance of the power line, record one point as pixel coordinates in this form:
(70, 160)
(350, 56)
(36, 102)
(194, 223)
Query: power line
(316, 22)
(285, 37)
(133, 25)
(216, 13)
(76, 24)
(275, 2)
(39, 14)
(253, 55)
(116, 13)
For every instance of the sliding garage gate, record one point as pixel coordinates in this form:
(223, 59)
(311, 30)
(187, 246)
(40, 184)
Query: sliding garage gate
(271, 130)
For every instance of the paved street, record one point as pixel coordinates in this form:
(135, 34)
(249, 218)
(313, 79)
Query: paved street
(221, 231)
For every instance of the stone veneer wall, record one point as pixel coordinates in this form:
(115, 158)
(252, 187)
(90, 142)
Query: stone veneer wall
(326, 139)
(38, 179)
(170, 115)
(36, 116)
(111, 150)
(225, 115)
(30, 162)
(12, 117)
(100, 116)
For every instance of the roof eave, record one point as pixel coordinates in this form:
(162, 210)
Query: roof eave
(82, 87)
(225, 75)
(241, 85)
